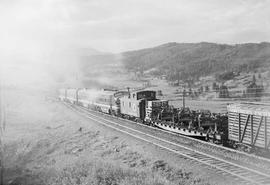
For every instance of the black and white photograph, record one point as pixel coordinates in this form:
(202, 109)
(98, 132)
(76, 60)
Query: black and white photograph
(134, 92)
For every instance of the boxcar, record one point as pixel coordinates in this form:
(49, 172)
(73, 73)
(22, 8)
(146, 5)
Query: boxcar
(249, 123)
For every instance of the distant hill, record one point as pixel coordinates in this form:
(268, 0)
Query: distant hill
(186, 61)
(103, 70)
(193, 60)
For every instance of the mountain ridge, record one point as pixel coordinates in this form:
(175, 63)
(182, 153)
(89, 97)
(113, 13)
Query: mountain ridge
(198, 59)
(185, 61)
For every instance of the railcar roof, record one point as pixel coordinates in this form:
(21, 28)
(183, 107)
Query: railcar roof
(250, 108)
(137, 91)
(107, 92)
(71, 89)
(159, 100)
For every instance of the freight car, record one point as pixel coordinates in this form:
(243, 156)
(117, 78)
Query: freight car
(249, 125)
(182, 122)
(191, 123)
(133, 105)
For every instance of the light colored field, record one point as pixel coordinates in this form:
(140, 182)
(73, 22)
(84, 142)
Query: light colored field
(169, 93)
(213, 106)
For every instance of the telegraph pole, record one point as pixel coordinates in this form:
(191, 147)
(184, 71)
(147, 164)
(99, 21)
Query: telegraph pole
(184, 94)
(2, 128)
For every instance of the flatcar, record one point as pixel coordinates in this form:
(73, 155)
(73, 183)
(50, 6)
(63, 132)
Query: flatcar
(183, 124)
(249, 125)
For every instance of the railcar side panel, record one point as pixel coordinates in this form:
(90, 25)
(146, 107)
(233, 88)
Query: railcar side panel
(129, 107)
(133, 104)
(84, 97)
(106, 102)
(72, 95)
(249, 124)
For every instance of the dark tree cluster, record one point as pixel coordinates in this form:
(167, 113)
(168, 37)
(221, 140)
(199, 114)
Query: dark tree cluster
(188, 62)
(254, 90)
(215, 87)
(226, 76)
(223, 91)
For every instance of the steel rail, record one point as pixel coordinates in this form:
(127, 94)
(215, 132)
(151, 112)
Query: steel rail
(186, 137)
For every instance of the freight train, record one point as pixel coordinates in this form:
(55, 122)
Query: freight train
(246, 126)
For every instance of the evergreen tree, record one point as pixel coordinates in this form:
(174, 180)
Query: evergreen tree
(201, 89)
(214, 86)
(223, 91)
(206, 88)
(253, 79)
(190, 92)
(244, 94)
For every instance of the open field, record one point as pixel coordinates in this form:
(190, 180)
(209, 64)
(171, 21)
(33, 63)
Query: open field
(213, 106)
(212, 103)
(45, 143)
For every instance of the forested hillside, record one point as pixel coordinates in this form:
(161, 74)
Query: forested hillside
(193, 60)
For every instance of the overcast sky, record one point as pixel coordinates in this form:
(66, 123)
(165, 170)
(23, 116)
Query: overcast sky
(41, 36)
(118, 25)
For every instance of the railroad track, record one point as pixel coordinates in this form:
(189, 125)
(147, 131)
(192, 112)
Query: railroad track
(241, 174)
(261, 163)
